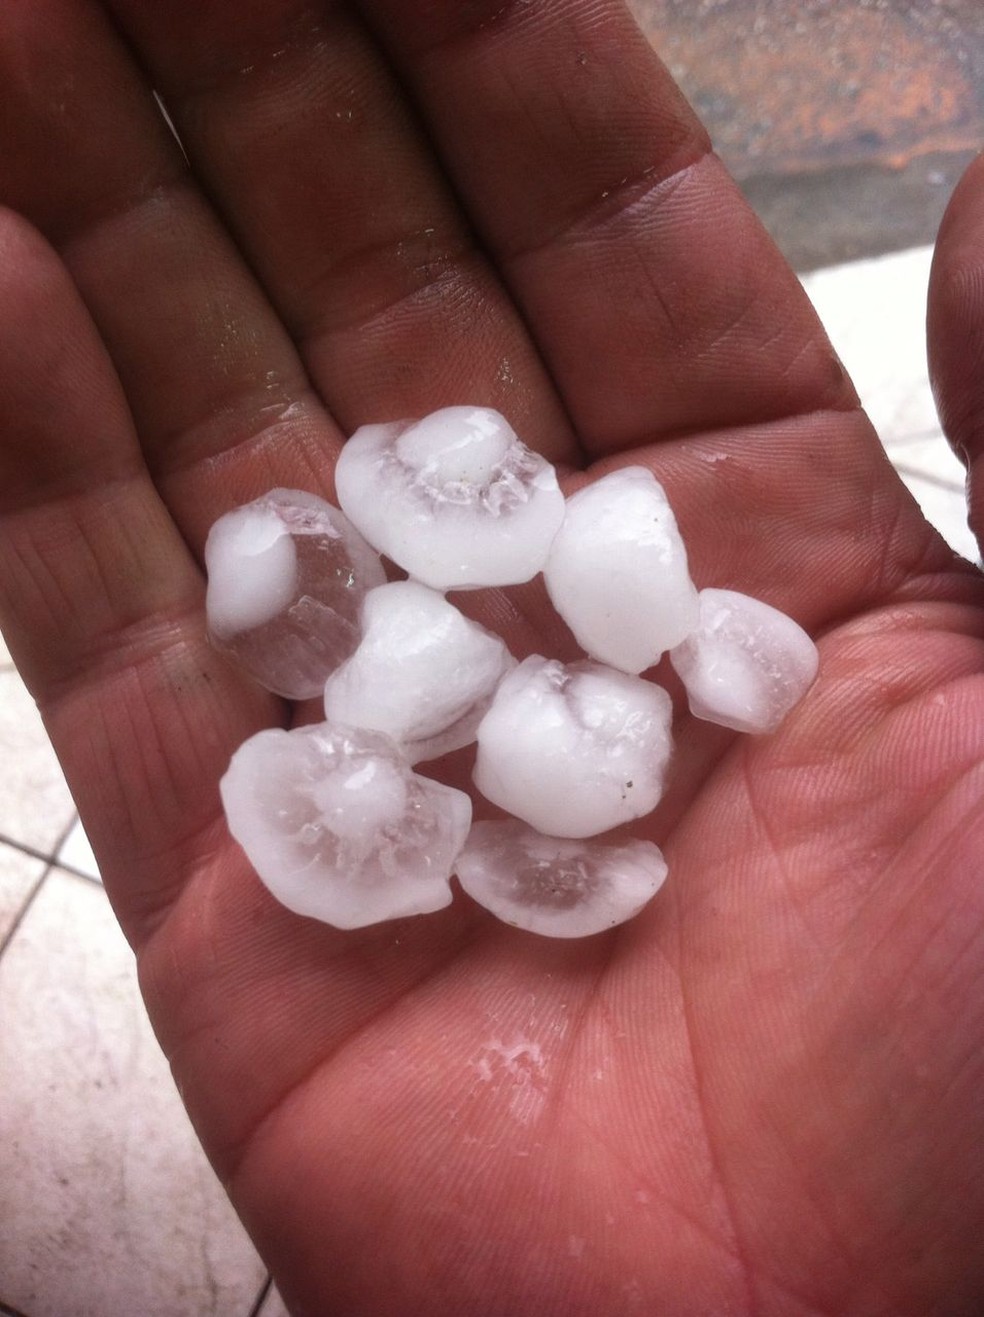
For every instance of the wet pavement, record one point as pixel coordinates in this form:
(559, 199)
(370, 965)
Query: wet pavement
(847, 122)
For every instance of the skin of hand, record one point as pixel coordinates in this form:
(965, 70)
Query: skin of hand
(764, 1094)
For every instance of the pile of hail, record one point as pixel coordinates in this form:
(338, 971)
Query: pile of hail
(334, 818)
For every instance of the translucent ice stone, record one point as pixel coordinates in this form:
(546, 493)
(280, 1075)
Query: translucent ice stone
(339, 827)
(747, 664)
(423, 673)
(557, 887)
(574, 750)
(617, 571)
(286, 577)
(454, 498)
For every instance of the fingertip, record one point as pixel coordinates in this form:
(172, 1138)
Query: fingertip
(955, 331)
(35, 288)
(27, 267)
(16, 232)
(61, 408)
(955, 313)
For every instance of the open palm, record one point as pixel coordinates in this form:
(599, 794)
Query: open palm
(765, 1093)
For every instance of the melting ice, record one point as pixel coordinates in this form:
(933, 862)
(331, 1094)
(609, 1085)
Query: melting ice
(617, 571)
(746, 664)
(455, 499)
(333, 817)
(557, 887)
(574, 750)
(423, 673)
(286, 577)
(339, 827)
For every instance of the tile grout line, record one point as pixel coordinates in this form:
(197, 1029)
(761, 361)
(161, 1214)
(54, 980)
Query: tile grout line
(70, 869)
(938, 482)
(914, 437)
(31, 897)
(27, 849)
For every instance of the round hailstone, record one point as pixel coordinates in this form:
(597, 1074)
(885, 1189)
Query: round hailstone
(557, 887)
(423, 673)
(574, 750)
(455, 499)
(747, 663)
(617, 571)
(287, 574)
(339, 827)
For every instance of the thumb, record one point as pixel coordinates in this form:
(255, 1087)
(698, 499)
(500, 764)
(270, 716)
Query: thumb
(955, 332)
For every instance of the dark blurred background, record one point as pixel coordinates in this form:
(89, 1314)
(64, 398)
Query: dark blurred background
(846, 122)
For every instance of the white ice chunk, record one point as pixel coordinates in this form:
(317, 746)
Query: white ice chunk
(339, 827)
(617, 571)
(455, 499)
(574, 750)
(747, 663)
(423, 673)
(557, 887)
(252, 569)
(286, 577)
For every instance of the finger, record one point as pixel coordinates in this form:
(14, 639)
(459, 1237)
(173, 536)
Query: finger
(222, 404)
(658, 301)
(99, 597)
(294, 122)
(661, 306)
(956, 331)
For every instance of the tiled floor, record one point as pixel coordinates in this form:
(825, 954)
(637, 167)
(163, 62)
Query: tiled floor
(107, 1206)
(875, 314)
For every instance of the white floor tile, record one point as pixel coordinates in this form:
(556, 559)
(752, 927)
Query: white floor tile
(930, 456)
(35, 803)
(107, 1202)
(75, 852)
(19, 875)
(936, 477)
(946, 508)
(875, 314)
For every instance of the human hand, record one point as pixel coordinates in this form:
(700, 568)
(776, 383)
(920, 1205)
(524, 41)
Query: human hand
(763, 1094)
